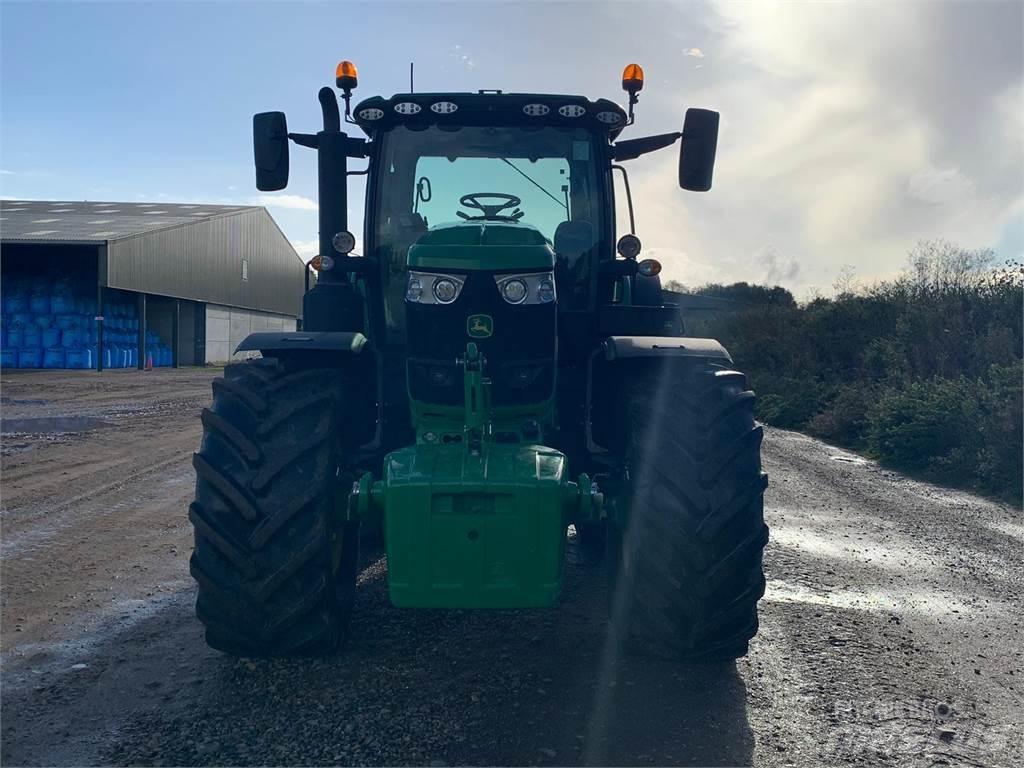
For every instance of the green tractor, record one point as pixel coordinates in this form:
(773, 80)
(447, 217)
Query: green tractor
(491, 370)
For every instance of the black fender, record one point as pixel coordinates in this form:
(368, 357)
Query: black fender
(647, 290)
(616, 351)
(269, 342)
(626, 347)
(332, 349)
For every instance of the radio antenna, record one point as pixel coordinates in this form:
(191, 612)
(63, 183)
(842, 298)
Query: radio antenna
(411, 89)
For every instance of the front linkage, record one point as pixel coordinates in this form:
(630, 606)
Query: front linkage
(474, 523)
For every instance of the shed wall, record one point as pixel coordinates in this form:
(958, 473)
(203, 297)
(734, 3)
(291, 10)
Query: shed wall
(204, 262)
(226, 327)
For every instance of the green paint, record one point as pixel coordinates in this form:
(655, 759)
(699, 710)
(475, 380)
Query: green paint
(470, 522)
(495, 246)
(483, 530)
(448, 420)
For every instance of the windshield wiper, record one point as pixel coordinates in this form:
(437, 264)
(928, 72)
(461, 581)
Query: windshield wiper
(538, 186)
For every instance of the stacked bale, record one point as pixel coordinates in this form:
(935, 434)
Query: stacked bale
(52, 325)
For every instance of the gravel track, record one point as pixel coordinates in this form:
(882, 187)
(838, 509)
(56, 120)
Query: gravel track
(890, 632)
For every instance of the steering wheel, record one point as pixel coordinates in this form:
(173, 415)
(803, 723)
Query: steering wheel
(491, 211)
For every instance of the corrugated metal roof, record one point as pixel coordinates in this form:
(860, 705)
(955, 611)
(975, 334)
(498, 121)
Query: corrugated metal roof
(36, 221)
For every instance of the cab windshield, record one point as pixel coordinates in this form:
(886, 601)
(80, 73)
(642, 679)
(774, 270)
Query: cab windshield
(546, 177)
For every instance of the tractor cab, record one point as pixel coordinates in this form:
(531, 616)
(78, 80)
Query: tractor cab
(541, 161)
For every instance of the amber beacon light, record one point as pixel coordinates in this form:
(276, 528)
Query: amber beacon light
(633, 78)
(346, 76)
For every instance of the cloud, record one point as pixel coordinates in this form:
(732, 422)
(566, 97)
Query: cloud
(777, 268)
(936, 187)
(696, 53)
(849, 132)
(307, 249)
(463, 56)
(294, 202)
(4, 172)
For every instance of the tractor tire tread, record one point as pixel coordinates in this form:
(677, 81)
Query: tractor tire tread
(691, 558)
(274, 564)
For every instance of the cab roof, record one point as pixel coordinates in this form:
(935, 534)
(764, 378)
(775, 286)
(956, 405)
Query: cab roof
(485, 108)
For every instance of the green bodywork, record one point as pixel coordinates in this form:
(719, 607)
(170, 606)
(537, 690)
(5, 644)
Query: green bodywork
(482, 245)
(480, 529)
(470, 522)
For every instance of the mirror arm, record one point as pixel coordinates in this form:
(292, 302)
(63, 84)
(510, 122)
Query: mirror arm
(305, 139)
(633, 148)
(353, 147)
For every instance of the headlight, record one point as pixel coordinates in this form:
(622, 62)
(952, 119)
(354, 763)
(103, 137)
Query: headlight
(546, 291)
(534, 288)
(445, 290)
(430, 288)
(514, 291)
(344, 242)
(414, 290)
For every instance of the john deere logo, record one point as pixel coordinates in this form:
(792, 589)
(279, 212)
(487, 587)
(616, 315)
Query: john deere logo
(479, 326)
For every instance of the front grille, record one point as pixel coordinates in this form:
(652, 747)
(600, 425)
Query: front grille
(520, 353)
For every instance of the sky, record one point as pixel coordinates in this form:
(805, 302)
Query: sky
(849, 131)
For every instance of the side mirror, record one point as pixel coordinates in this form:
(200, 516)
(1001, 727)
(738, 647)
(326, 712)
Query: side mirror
(270, 147)
(697, 150)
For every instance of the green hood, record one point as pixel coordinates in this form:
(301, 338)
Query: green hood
(489, 245)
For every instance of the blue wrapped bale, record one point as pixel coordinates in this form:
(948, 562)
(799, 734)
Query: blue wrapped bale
(32, 338)
(53, 357)
(60, 303)
(15, 303)
(78, 358)
(51, 337)
(67, 321)
(39, 304)
(73, 337)
(30, 358)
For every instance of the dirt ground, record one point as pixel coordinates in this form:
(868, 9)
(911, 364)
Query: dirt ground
(890, 632)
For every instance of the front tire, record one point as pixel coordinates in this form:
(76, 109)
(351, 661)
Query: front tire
(275, 564)
(687, 567)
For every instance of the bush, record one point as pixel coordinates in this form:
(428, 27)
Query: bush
(788, 402)
(923, 371)
(927, 425)
(844, 419)
(1001, 459)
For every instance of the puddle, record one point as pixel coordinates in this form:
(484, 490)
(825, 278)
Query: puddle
(53, 425)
